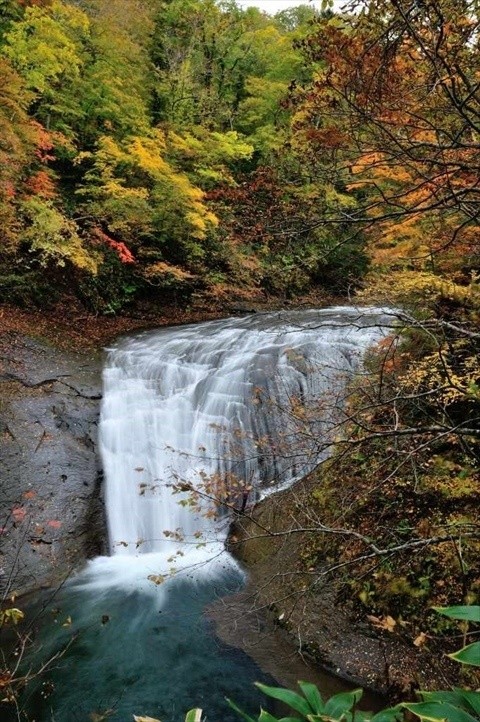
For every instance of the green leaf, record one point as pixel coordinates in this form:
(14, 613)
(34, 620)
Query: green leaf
(313, 696)
(194, 715)
(391, 714)
(469, 701)
(266, 716)
(438, 711)
(338, 705)
(471, 698)
(469, 613)
(361, 716)
(239, 711)
(468, 655)
(292, 699)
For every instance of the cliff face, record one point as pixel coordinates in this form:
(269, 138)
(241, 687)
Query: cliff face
(51, 512)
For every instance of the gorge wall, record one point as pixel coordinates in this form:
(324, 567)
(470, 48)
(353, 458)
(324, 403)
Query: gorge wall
(51, 512)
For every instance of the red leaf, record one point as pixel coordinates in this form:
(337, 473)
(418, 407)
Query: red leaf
(54, 523)
(19, 513)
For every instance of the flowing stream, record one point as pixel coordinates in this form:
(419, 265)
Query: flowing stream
(195, 421)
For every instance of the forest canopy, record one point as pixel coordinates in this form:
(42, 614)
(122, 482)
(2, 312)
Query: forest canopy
(155, 150)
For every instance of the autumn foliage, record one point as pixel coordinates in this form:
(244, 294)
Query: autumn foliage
(245, 152)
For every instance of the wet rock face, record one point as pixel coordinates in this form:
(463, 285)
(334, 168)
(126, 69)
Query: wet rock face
(51, 510)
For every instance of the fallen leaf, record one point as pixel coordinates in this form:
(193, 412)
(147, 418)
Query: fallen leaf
(19, 513)
(54, 523)
(156, 578)
(420, 640)
(387, 623)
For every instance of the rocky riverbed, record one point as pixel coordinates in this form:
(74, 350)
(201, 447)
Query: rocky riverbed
(318, 611)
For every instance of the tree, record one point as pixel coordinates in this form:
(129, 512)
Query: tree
(47, 49)
(275, 220)
(142, 200)
(18, 143)
(394, 107)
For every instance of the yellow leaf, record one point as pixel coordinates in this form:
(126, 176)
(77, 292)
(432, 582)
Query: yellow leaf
(156, 579)
(420, 640)
(388, 623)
(13, 616)
(145, 719)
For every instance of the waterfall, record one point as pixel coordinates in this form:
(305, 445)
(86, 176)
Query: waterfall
(215, 409)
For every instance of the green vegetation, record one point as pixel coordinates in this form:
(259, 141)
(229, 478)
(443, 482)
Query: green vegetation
(216, 150)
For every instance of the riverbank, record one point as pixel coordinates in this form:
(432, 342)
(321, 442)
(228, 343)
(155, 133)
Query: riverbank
(68, 326)
(51, 509)
(318, 612)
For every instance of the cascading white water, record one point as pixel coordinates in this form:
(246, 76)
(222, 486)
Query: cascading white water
(197, 404)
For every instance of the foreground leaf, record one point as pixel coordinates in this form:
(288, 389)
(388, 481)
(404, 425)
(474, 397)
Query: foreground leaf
(470, 613)
(468, 655)
(292, 699)
(313, 696)
(438, 711)
(388, 715)
(465, 699)
(194, 715)
(338, 705)
(239, 711)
